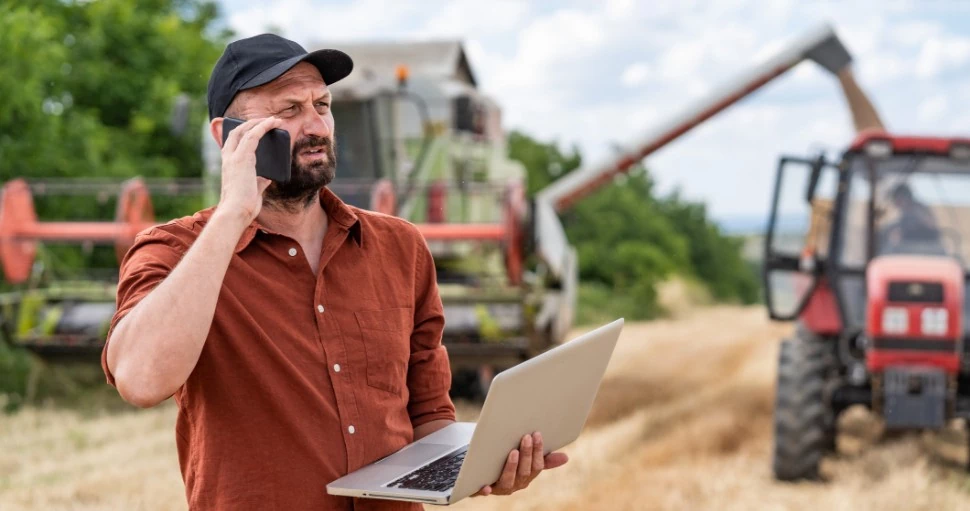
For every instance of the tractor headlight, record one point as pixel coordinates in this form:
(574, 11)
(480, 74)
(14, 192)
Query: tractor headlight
(895, 320)
(960, 151)
(879, 149)
(933, 321)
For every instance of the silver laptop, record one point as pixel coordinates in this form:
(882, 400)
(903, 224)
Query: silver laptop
(551, 393)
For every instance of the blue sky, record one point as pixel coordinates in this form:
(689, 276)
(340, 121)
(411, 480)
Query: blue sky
(598, 73)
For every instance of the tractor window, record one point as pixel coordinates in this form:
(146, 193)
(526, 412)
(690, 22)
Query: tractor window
(854, 229)
(922, 207)
(798, 233)
(925, 213)
(798, 224)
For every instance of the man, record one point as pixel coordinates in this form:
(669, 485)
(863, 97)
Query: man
(300, 337)
(914, 224)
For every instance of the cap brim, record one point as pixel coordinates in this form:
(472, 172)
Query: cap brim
(333, 65)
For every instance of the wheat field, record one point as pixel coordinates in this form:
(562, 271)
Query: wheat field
(682, 421)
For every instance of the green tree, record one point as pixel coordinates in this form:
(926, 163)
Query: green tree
(629, 239)
(544, 162)
(715, 258)
(90, 89)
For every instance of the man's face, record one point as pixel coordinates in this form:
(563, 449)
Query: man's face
(300, 98)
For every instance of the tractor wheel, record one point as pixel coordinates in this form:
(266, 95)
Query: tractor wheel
(803, 431)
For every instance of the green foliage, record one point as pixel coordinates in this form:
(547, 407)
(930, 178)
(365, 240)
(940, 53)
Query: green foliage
(599, 304)
(544, 162)
(90, 89)
(716, 258)
(15, 365)
(107, 89)
(629, 239)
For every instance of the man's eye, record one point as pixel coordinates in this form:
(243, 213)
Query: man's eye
(323, 104)
(289, 110)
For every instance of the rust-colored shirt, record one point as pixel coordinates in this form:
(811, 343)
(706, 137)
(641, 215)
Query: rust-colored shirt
(303, 378)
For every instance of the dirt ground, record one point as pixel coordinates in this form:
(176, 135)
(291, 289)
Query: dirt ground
(682, 421)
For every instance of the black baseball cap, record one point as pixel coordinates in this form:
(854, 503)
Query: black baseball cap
(260, 59)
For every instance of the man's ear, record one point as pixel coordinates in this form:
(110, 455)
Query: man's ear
(215, 127)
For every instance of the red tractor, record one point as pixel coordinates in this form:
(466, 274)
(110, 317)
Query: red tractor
(869, 254)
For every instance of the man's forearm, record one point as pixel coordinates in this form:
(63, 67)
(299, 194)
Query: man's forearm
(155, 347)
(430, 427)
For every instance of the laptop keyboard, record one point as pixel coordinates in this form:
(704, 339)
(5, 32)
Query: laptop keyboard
(439, 475)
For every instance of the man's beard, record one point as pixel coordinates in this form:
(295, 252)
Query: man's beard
(306, 180)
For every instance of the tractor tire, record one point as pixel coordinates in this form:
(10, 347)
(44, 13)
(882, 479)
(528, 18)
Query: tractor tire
(803, 429)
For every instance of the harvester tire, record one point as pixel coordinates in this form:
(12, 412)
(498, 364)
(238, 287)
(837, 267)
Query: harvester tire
(802, 433)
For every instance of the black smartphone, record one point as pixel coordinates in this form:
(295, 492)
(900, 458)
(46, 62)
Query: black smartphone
(272, 152)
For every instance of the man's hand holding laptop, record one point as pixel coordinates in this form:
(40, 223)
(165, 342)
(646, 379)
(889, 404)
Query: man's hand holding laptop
(523, 465)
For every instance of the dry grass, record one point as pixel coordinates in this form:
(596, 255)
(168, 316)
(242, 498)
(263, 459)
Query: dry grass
(682, 421)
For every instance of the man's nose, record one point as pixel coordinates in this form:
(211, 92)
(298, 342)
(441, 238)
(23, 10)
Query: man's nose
(314, 125)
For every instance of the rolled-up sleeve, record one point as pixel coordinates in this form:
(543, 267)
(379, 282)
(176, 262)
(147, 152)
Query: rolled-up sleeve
(429, 372)
(151, 258)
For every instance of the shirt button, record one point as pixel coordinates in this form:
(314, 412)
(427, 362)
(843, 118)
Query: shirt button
(351, 429)
(319, 308)
(336, 368)
(292, 251)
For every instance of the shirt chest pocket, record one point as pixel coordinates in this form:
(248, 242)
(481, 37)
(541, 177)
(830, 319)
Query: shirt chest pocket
(386, 335)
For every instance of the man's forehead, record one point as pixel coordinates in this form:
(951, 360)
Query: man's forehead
(302, 76)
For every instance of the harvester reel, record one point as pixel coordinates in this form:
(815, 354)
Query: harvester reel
(20, 231)
(134, 212)
(16, 210)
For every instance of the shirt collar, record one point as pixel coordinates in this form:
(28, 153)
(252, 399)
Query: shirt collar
(338, 212)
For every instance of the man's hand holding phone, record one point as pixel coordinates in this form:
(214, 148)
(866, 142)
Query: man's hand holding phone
(242, 189)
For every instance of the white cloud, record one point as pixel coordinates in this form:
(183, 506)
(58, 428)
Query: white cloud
(683, 60)
(913, 33)
(932, 109)
(635, 74)
(306, 21)
(470, 18)
(879, 68)
(618, 9)
(940, 54)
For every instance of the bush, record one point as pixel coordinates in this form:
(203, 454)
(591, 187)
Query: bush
(15, 367)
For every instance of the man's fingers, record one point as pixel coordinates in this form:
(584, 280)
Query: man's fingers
(236, 134)
(556, 460)
(262, 184)
(507, 478)
(250, 139)
(525, 460)
(484, 492)
(538, 463)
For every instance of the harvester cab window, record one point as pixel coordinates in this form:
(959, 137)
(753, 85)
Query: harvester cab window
(357, 154)
(358, 147)
(469, 115)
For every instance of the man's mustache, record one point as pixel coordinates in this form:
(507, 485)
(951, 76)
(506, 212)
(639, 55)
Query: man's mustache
(311, 141)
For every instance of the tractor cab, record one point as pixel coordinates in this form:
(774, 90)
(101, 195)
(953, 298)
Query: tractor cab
(871, 256)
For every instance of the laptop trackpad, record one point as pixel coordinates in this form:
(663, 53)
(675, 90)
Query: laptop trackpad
(418, 453)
